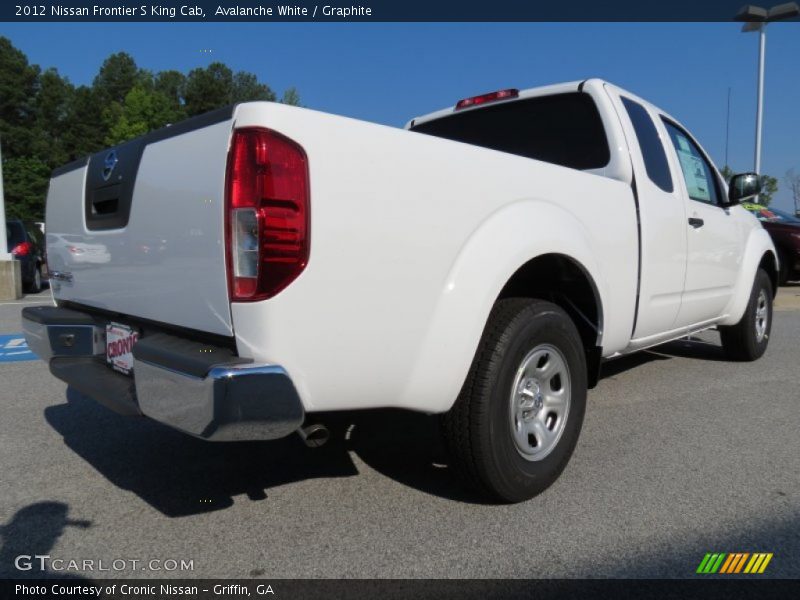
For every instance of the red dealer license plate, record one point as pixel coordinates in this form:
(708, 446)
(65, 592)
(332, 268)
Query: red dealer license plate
(119, 347)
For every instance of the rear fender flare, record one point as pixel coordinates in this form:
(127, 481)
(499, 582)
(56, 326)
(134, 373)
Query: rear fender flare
(509, 238)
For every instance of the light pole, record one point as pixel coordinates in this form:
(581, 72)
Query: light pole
(757, 19)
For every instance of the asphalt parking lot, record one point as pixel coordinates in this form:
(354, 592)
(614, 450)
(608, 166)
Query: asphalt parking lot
(681, 454)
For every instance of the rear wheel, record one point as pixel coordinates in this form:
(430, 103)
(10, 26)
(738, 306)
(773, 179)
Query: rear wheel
(35, 286)
(748, 339)
(516, 421)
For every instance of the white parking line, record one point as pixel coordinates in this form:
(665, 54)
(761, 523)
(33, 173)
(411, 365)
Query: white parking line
(32, 302)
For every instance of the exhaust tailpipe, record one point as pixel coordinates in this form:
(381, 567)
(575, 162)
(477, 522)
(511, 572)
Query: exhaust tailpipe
(314, 435)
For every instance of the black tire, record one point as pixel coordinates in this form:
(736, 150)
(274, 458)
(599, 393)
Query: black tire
(478, 429)
(742, 342)
(35, 284)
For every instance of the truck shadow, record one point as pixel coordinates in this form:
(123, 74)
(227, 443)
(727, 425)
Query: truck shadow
(179, 475)
(405, 446)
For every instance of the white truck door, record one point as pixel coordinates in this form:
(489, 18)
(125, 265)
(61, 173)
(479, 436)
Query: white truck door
(714, 247)
(662, 219)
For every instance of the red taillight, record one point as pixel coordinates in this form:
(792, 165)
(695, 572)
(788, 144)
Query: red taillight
(22, 249)
(484, 98)
(267, 213)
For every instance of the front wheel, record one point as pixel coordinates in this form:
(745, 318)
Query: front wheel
(748, 339)
(517, 419)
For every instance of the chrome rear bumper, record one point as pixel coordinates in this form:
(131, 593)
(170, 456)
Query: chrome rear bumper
(232, 402)
(196, 388)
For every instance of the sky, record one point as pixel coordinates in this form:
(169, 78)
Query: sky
(389, 73)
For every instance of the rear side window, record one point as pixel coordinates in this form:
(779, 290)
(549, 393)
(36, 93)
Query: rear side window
(655, 159)
(564, 129)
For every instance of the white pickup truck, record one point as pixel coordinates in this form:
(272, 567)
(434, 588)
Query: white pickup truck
(261, 264)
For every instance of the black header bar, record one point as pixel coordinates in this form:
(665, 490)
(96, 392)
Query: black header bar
(370, 10)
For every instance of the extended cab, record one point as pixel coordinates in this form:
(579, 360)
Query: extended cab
(480, 264)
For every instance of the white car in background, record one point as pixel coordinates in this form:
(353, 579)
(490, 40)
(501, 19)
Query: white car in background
(68, 250)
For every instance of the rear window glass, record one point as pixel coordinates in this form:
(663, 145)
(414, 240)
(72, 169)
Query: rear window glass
(564, 129)
(15, 234)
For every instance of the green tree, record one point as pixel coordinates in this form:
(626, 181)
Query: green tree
(217, 86)
(209, 88)
(142, 111)
(45, 121)
(116, 78)
(173, 85)
(51, 119)
(769, 185)
(86, 130)
(246, 88)
(19, 82)
(726, 173)
(291, 97)
(25, 180)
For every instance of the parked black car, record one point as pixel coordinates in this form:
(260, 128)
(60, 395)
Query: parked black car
(26, 244)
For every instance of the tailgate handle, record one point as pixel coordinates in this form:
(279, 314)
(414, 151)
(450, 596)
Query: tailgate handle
(106, 206)
(104, 201)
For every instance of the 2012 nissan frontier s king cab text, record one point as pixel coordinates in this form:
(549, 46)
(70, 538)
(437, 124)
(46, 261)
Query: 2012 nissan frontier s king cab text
(236, 273)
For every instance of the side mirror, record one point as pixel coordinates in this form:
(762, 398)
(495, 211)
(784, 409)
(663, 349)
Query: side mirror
(743, 187)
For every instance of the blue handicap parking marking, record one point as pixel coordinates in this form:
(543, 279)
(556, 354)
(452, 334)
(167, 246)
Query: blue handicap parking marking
(14, 348)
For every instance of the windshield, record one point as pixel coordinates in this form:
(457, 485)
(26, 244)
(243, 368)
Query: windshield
(771, 215)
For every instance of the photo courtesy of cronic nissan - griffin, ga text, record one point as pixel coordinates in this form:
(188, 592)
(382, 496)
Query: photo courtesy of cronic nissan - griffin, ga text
(480, 264)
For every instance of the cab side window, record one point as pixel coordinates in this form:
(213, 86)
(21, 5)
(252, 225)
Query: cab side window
(701, 181)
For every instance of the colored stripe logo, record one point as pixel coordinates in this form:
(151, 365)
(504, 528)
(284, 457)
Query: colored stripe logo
(731, 563)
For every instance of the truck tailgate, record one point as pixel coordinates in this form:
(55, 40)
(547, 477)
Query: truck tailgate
(139, 229)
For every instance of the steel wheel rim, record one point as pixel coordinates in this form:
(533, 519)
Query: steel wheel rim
(37, 278)
(539, 402)
(762, 316)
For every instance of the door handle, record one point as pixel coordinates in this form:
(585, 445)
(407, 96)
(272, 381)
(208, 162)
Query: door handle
(695, 222)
